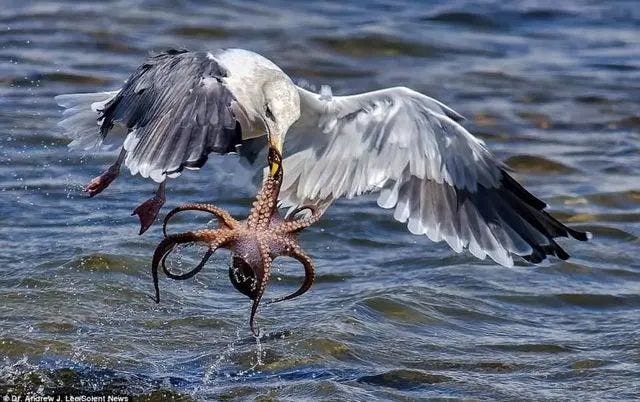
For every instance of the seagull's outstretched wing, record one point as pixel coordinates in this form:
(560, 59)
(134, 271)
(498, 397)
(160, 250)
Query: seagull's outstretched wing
(441, 180)
(175, 108)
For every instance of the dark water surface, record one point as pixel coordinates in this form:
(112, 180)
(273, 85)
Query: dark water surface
(552, 87)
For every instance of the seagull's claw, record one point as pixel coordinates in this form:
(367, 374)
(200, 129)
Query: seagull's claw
(148, 211)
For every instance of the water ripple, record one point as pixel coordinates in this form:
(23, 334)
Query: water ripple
(552, 90)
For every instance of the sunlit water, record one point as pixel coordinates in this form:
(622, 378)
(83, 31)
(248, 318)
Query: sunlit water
(552, 87)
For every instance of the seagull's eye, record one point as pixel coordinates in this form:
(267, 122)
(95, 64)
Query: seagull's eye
(267, 112)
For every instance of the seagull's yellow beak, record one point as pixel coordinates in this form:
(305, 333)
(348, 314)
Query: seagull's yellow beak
(275, 142)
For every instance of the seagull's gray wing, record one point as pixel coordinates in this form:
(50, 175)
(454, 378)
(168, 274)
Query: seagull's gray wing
(177, 110)
(441, 180)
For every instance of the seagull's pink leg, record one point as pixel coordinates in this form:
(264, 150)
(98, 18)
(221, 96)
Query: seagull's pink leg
(98, 184)
(148, 210)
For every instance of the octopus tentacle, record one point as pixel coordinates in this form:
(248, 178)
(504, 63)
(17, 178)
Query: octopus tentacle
(187, 275)
(163, 249)
(254, 242)
(262, 271)
(265, 205)
(223, 216)
(292, 225)
(309, 275)
(292, 215)
(242, 276)
(220, 239)
(169, 243)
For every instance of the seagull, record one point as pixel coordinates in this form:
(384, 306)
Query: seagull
(180, 106)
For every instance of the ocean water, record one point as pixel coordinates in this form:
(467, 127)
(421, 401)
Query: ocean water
(552, 87)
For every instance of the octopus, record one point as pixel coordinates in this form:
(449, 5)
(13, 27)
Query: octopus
(254, 242)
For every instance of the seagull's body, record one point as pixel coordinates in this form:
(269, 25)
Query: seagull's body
(180, 106)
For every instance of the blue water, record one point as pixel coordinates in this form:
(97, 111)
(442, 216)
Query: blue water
(552, 87)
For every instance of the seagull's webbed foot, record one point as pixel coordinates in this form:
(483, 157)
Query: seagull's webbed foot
(309, 275)
(99, 183)
(148, 210)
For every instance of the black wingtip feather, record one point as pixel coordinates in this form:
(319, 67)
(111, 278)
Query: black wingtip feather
(531, 209)
(512, 185)
(516, 188)
(559, 251)
(582, 236)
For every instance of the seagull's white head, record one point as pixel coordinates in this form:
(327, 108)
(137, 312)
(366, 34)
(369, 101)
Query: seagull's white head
(281, 107)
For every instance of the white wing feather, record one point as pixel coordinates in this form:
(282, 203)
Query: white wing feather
(441, 180)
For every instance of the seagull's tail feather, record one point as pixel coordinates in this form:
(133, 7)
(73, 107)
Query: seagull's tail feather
(81, 121)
